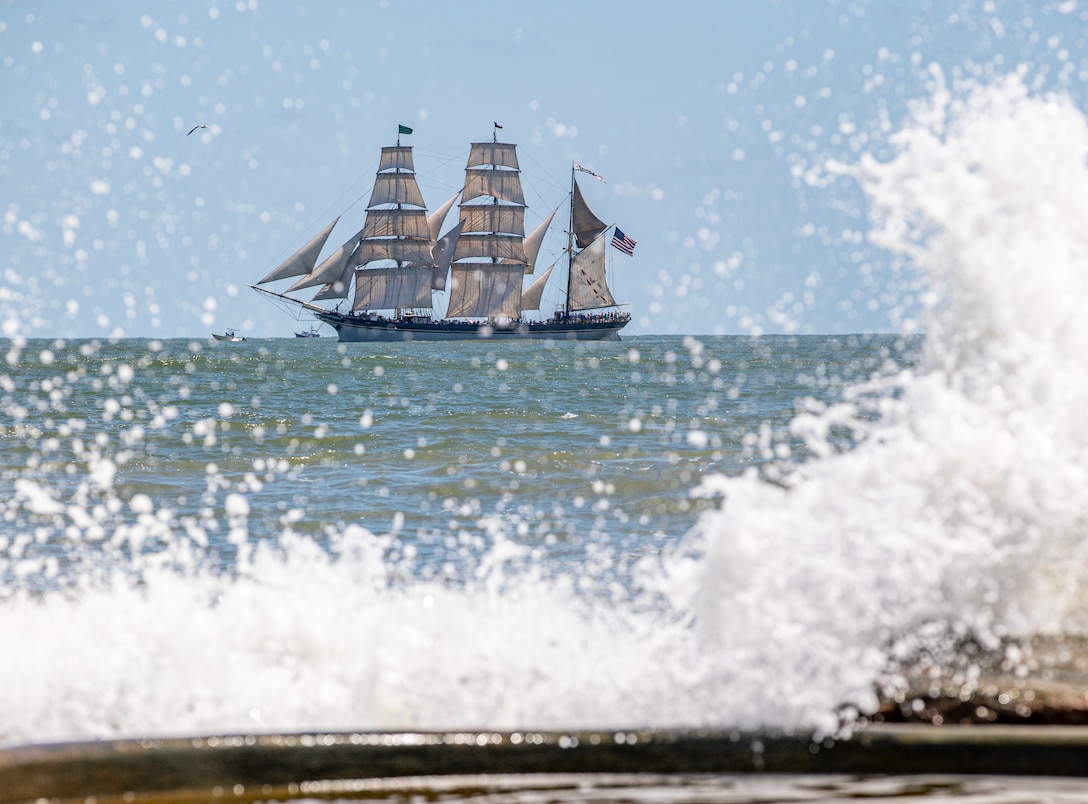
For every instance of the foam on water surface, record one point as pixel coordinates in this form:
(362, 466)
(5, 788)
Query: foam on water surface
(959, 517)
(962, 515)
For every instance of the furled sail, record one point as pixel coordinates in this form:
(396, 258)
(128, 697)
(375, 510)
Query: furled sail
(588, 283)
(303, 260)
(530, 297)
(586, 225)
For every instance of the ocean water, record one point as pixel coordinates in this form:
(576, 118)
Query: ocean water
(298, 533)
(769, 533)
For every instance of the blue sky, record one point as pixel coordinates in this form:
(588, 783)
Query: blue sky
(704, 117)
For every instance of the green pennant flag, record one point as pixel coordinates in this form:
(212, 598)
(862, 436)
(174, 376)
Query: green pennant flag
(404, 130)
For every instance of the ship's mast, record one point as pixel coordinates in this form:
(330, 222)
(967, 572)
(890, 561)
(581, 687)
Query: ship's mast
(399, 311)
(494, 201)
(570, 246)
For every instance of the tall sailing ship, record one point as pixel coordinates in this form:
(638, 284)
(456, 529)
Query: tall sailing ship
(386, 278)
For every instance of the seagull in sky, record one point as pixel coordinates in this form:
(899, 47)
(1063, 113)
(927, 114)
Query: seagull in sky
(194, 128)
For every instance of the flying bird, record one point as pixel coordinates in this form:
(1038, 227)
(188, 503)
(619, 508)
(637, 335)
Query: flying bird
(194, 128)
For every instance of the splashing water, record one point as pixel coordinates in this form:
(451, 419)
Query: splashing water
(960, 514)
(963, 513)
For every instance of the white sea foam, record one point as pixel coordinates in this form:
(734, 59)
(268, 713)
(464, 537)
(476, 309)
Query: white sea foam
(963, 511)
(303, 639)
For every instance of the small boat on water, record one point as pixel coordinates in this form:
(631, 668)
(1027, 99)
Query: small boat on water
(229, 335)
(310, 333)
(382, 278)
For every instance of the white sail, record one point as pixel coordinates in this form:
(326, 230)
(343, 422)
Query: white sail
(489, 218)
(442, 256)
(435, 219)
(502, 184)
(416, 252)
(393, 288)
(588, 283)
(411, 223)
(498, 154)
(494, 246)
(332, 268)
(396, 188)
(530, 297)
(303, 260)
(586, 225)
(396, 157)
(481, 290)
(533, 241)
(337, 289)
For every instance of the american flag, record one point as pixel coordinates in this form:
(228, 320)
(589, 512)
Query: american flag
(597, 176)
(623, 243)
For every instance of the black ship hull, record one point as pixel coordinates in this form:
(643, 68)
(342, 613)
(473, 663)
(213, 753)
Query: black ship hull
(367, 328)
